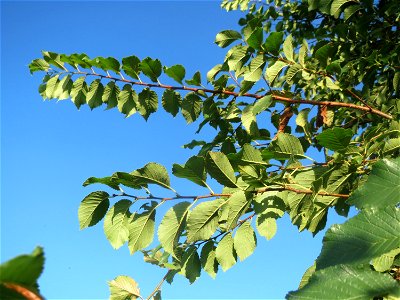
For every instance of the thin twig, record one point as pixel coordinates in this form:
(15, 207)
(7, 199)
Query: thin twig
(157, 288)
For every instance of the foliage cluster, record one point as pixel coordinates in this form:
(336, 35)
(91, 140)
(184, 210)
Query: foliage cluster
(302, 79)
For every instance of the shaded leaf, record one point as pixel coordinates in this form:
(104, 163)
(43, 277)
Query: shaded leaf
(151, 68)
(127, 100)
(208, 261)
(131, 66)
(273, 42)
(171, 101)
(227, 37)
(176, 72)
(335, 139)
(148, 101)
(95, 94)
(191, 266)
(194, 170)
(191, 107)
(93, 208)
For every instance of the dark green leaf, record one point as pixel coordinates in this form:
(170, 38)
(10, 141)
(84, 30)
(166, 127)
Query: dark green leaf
(227, 37)
(127, 100)
(208, 260)
(148, 101)
(171, 101)
(79, 91)
(131, 66)
(151, 68)
(335, 139)
(193, 170)
(219, 167)
(191, 107)
(105, 180)
(273, 42)
(191, 266)
(110, 95)
(176, 72)
(95, 94)
(93, 208)
(196, 79)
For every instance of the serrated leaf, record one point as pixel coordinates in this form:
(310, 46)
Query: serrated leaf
(364, 237)
(227, 37)
(110, 95)
(191, 107)
(93, 208)
(292, 71)
(219, 167)
(350, 11)
(249, 121)
(203, 220)
(266, 226)
(151, 68)
(307, 275)
(63, 88)
(235, 207)
(251, 155)
(273, 70)
(285, 146)
(127, 100)
(123, 287)
(245, 241)
(95, 94)
(38, 65)
(131, 66)
(273, 42)
(237, 57)
(303, 52)
(176, 72)
(224, 252)
(141, 229)
(343, 282)
(152, 173)
(335, 139)
(148, 101)
(255, 69)
(191, 266)
(194, 170)
(391, 145)
(171, 101)
(262, 104)
(384, 262)
(208, 261)
(382, 187)
(172, 226)
(79, 91)
(104, 180)
(288, 48)
(116, 223)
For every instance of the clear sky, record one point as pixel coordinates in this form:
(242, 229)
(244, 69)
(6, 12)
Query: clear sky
(48, 149)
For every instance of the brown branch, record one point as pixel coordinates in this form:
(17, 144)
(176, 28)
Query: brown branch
(23, 291)
(255, 96)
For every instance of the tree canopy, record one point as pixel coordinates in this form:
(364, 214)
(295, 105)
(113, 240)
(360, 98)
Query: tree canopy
(300, 81)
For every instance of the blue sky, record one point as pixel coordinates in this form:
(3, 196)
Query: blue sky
(48, 149)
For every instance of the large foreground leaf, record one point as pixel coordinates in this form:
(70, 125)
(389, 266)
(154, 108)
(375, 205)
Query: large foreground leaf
(347, 282)
(366, 236)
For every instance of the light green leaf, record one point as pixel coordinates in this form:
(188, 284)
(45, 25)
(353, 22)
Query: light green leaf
(224, 253)
(227, 37)
(273, 70)
(63, 88)
(266, 226)
(176, 72)
(307, 275)
(93, 208)
(171, 101)
(219, 167)
(331, 85)
(191, 107)
(95, 94)
(208, 261)
(292, 71)
(237, 57)
(116, 223)
(51, 86)
(366, 236)
(104, 180)
(336, 6)
(251, 155)
(79, 91)
(343, 282)
(303, 52)
(152, 173)
(255, 69)
(203, 220)
(123, 287)
(151, 68)
(110, 95)
(382, 187)
(191, 266)
(249, 120)
(141, 229)
(245, 241)
(127, 100)
(335, 139)
(194, 170)
(285, 146)
(288, 47)
(131, 66)
(38, 65)
(172, 226)
(391, 145)
(262, 104)
(273, 42)
(213, 72)
(235, 207)
(148, 101)
(302, 121)
(384, 262)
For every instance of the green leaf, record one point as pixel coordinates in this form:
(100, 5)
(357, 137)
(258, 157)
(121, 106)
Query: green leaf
(224, 253)
(195, 80)
(79, 91)
(245, 241)
(219, 167)
(172, 226)
(38, 65)
(131, 66)
(203, 220)
(284, 147)
(93, 208)
(256, 38)
(366, 236)
(288, 47)
(235, 207)
(127, 100)
(307, 275)
(262, 104)
(191, 266)
(152, 173)
(292, 72)
(336, 6)
(110, 95)
(116, 223)
(249, 121)
(208, 261)
(51, 86)
(266, 227)
(23, 269)
(344, 282)
(255, 69)
(151, 68)
(273, 70)
(141, 228)
(382, 187)
(191, 107)
(95, 94)
(176, 72)
(303, 52)
(123, 287)
(335, 139)
(104, 180)
(53, 59)
(251, 155)
(227, 37)
(148, 101)
(63, 88)
(171, 101)
(350, 11)
(237, 57)
(384, 262)
(213, 72)
(391, 145)
(273, 42)
(194, 170)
